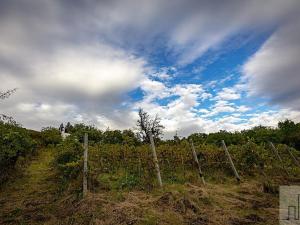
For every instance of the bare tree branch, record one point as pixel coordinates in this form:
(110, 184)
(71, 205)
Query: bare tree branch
(8, 93)
(4, 118)
(146, 125)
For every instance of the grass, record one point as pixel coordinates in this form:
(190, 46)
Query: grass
(34, 198)
(29, 196)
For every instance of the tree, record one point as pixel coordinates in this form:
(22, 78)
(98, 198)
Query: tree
(68, 128)
(50, 136)
(112, 137)
(146, 125)
(4, 95)
(61, 127)
(289, 133)
(129, 137)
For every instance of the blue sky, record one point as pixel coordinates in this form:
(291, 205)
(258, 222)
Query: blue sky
(202, 66)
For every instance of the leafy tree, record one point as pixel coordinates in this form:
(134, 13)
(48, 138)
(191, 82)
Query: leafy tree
(261, 134)
(228, 137)
(112, 137)
(198, 138)
(61, 127)
(50, 136)
(290, 133)
(146, 124)
(68, 128)
(129, 137)
(78, 130)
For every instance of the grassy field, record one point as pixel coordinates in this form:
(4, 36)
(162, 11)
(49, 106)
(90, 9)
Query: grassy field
(37, 197)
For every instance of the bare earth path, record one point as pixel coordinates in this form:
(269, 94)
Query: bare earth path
(27, 200)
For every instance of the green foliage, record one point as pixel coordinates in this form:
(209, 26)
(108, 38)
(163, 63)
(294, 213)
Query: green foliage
(107, 137)
(248, 157)
(228, 137)
(50, 136)
(68, 158)
(290, 133)
(129, 138)
(78, 130)
(15, 142)
(121, 160)
(131, 167)
(262, 134)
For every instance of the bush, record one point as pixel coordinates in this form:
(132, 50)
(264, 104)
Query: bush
(248, 157)
(68, 158)
(50, 136)
(15, 142)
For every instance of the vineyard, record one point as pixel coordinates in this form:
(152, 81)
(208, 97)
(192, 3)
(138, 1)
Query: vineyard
(43, 178)
(115, 166)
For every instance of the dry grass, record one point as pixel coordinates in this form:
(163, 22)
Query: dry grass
(34, 199)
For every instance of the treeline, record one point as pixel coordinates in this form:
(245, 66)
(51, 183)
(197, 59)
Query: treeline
(287, 132)
(51, 135)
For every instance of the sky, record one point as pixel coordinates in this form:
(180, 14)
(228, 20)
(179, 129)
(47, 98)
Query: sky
(200, 65)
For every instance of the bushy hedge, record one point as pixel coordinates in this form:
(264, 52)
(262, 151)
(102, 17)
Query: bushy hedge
(68, 159)
(50, 136)
(15, 142)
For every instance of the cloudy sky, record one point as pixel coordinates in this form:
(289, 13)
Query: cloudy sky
(201, 65)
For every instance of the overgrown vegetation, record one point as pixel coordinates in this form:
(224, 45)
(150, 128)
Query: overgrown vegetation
(15, 145)
(50, 136)
(119, 160)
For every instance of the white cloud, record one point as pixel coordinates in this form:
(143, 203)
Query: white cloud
(228, 94)
(273, 71)
(200, 30)
(92, 79)
(243, 108)
(88, 71)
(76, 61)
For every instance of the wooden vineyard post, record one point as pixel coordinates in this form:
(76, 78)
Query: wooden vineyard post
(182, 163)
(85, 167)
(293, 157)
(140, 165)
(231, 162)
(155, 159)
(197, 162)
(278, 157)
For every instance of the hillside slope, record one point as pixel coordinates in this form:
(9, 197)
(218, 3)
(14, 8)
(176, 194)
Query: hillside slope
(28, 199)
(34, 199)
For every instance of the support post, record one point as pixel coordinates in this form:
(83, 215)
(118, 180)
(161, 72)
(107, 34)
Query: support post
(293, 157)
(278, 157)
(155, 159)
(197, 162)
(231, 162)
(85, 166)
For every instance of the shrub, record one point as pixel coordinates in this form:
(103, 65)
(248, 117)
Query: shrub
(68, 158)
(248, 157)
(50, 136)
(15, 142)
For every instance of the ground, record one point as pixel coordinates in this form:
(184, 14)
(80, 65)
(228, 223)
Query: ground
(35, 198)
